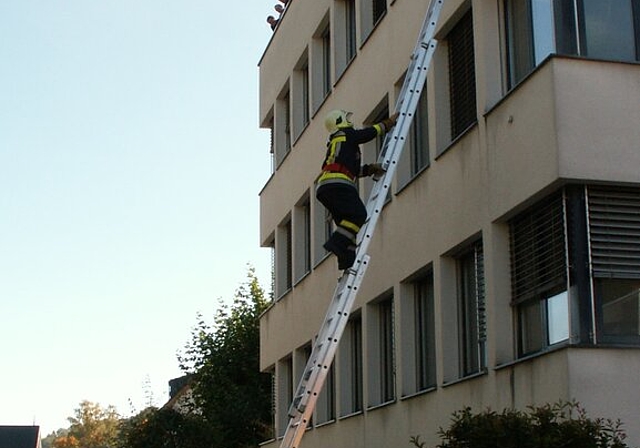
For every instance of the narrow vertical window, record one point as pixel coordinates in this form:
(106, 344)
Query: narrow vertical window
(424, 335)
(387, 389)
(462, 76)
(321, 63)
(302, 243)
(284, 258)
(379, 8)
(350, 27)
(301, 96)
(284, 375)
(350, 355)
(380, 352)
(326, 61)
(471, 311)
(419, 136)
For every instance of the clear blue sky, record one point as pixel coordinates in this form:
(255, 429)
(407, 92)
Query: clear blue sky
(131, 161)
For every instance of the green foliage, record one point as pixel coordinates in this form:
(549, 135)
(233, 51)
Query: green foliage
(165, 428)
(228, 388)
(562, 425)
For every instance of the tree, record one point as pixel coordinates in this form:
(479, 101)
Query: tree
(47, 442)
(92, 427)
(164, 428)
(228, 389)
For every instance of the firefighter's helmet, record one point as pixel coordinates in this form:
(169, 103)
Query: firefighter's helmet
(337, 119)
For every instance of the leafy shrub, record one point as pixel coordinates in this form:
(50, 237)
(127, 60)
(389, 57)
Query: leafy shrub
(561, 425)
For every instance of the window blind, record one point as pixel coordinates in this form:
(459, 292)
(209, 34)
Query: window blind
(538, 255)
(614, 231)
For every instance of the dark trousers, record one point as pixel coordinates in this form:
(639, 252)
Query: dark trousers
(344, 204)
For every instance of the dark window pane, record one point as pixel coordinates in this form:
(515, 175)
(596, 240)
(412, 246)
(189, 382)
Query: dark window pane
(608, 29)
(462, 76)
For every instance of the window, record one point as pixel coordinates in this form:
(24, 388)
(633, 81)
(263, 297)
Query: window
(462, 76)
(284, 258)
(326, 62)
(614, 232)
(274, 402)
(539, 275)
(283, 126)
(530, 35)
(418, 335)
(381, 366)
(371, 12)
(604, 29)
(321, 63)
(272, 144)
(284, 375)
(301, 95)
(350, 356)
(371, 150)
(302, 222)
(323, 228)
(325, 406)
(346, 43)
(471, 311)
(416, 155)
(300, 362)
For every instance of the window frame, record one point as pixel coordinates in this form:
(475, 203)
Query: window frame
(471, 310)
(302, 238)
(462, 76)
(381, 352)
(351, 361)
(418, 339)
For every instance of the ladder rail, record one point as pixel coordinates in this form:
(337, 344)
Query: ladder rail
(336, 318)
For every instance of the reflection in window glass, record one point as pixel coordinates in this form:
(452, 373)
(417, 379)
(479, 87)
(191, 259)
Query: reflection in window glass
(543, 40)
(558, 318)
(620, 306)
(608, 28)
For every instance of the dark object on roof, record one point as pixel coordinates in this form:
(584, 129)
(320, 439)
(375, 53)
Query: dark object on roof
(176, 384)
(20, 437)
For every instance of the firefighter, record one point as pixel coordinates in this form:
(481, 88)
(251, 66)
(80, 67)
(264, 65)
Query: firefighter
(336, 186)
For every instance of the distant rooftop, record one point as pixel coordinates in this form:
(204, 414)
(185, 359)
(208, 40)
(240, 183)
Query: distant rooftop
(19, 437)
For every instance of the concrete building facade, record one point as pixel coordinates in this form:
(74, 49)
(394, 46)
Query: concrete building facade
(505, 269)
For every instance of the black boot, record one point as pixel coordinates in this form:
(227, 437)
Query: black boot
(342, 246)
(347, 259)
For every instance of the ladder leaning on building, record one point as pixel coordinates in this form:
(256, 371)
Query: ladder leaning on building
(326, 343)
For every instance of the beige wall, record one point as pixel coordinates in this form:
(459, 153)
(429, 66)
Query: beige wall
(571, 120)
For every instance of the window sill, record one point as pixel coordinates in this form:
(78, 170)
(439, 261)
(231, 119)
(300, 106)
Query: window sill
(546, 351)
(413, 178)
(459, 137)
(419, 393)
(483, 372)
(381, 405)
(353, 414)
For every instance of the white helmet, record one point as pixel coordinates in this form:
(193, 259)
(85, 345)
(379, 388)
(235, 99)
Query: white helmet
(337, 119)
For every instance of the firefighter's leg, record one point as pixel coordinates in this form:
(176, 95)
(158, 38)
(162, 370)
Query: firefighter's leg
(349, 213)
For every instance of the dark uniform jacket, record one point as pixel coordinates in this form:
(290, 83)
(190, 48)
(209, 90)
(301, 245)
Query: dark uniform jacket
(342, 160)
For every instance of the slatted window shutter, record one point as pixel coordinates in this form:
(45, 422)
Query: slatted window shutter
(614, 230)
(462, 76)
(538, 254)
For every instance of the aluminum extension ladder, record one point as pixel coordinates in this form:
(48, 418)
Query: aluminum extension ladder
(326, 343)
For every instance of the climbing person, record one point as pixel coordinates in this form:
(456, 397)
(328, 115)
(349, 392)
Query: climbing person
(336, 185)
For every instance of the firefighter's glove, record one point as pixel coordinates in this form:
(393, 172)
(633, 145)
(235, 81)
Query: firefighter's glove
(391, 121)
(374, 169)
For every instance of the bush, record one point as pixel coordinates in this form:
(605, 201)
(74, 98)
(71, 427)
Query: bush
(561, 425)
